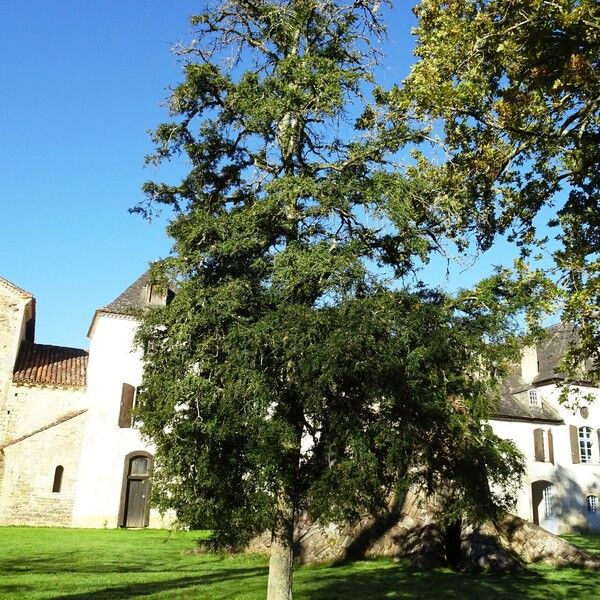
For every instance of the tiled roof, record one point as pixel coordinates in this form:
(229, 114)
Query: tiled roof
(134, 297)
(514, 405)
(552, 349)
(514, 401)
(51, 365)
(14, 288)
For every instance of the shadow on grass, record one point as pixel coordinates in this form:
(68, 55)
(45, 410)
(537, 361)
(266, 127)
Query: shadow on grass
(372, 583)
(51, 565)
(155, 587)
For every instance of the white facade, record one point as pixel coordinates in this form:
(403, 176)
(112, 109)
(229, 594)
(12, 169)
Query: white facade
(561, 489)
(102, 474)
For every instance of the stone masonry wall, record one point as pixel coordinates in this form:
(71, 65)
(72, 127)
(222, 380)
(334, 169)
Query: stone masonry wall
(12, 308)
(31, 456)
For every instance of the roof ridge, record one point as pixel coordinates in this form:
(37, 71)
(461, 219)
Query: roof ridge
(55, 346)
(15, 288)
(124, 299)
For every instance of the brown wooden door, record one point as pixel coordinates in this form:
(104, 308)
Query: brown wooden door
(135, 509)
(136, 486)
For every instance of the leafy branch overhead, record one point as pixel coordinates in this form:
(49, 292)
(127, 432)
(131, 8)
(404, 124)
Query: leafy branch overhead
(506, 94)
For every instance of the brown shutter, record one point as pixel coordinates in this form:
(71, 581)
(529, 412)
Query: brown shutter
(126, 405)
(538, 444)
(550, 446)
(574, 435)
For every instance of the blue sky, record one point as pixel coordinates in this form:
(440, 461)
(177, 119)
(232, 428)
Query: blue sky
(83, 82)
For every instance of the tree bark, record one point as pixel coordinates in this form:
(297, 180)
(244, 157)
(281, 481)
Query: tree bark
(281, 563)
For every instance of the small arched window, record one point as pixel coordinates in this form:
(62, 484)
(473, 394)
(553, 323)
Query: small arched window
(58, 476)
(592, 504)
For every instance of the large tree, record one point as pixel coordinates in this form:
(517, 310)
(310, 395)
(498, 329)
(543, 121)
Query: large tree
(294, 371)
(506, 94)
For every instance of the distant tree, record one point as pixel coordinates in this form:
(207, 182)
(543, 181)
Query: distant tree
(508, 94)
(294, 371)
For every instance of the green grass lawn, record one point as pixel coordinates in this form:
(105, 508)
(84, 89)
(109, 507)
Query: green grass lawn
(88, 564)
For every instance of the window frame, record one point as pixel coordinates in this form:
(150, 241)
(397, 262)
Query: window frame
(584, 436)
(534, 398)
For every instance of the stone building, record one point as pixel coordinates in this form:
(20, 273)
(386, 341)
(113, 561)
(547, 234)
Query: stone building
(70, 454)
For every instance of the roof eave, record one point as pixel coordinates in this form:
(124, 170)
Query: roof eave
(526, 419)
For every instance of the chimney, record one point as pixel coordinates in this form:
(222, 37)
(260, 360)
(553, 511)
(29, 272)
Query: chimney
(529, 363)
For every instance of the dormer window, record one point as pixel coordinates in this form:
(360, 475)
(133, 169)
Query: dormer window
(534, 399)
(157, 295)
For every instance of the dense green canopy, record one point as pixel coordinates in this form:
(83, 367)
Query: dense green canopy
(296, 370)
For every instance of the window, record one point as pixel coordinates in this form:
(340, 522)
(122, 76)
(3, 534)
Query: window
(58, 475)
(548, 499)
(543, 504)
(585, 444)
(592, 504)
(584, 411)
(136, 421)
(138, 466)
(158, 295)
(534, 399)
(543, 449)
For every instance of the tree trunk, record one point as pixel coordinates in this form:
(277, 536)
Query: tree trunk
(281, 563)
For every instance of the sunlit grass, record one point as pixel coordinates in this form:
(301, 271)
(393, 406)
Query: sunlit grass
(85, 564)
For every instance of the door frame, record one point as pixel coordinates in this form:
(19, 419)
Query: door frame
(121, 521)
(539, 490)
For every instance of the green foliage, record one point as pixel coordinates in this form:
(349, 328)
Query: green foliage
(294, 370)
(507, 95)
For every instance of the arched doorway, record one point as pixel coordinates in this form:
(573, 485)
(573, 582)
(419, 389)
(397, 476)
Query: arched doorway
(134, 509)
(544, 505)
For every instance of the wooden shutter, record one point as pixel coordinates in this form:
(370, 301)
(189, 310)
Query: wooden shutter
(574, 435)
(127, 396)
(550, 446)
(538, 444)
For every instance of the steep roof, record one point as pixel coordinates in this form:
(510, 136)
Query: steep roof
(131, 299)
(14, 288)
(514, 400)
(514, 405)
(141, 294)
(552, 349)
(43, 364)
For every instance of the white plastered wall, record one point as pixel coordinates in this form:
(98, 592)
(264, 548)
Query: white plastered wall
(572, 482)
(112, 362)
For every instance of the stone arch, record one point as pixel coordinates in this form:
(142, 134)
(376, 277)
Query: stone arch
(543, 501)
